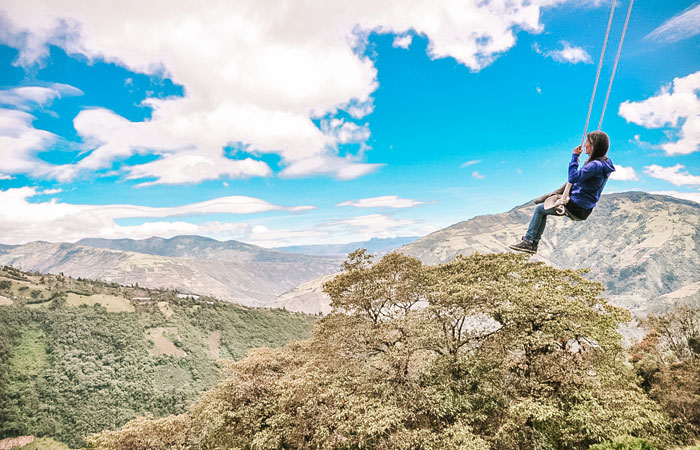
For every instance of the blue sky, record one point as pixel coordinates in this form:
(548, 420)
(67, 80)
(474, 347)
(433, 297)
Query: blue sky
(327, 122)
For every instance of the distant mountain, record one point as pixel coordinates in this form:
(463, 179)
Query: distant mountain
(193, 247)
(644, 248)
(230, 271)
(375, 245)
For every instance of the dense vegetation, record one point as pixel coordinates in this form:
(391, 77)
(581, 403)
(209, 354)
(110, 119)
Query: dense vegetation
(71, 364)
(484, 352)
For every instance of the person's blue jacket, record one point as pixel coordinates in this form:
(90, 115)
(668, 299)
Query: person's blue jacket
(588, 183)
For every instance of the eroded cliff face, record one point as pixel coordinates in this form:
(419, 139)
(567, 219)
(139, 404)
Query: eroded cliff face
(644, 248)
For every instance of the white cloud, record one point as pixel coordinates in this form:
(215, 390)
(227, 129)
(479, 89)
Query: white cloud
(677, 107)
(265, 237)
(387, 201)
(24, 221)
(5, 177)
(470, 163)
(19, 141)
(622, 173)
(343, 168)
(345, 132)
(692, 196)
(258, 73)
(50, 191)
(570, 54)
(30, 97)
(674, 175)
(192, 167)
(637, 140)
(403, 41)
(358, 110)
(377, 225)
(679, 27)
(477, 175)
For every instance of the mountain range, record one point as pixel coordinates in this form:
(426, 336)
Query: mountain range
(644, 248)
(231, 270)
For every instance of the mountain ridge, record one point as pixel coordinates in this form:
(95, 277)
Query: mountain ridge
(191, 246)
(245, 278)
(641, 246)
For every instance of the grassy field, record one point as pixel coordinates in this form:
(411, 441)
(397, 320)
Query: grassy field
(112, 303)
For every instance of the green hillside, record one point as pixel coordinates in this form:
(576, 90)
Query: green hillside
(80, 356)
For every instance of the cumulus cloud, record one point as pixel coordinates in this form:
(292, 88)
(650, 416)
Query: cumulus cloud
(682, 26)
(256, 73)
(675, 175)
(403, 41)
(676, 107)
(624, 173)
(24, 220)
(570, 54)
(477, 175)
(387, 201)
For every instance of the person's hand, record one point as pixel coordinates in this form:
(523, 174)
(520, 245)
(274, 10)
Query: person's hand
(578, 150)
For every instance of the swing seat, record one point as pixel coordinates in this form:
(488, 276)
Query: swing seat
(551, 201)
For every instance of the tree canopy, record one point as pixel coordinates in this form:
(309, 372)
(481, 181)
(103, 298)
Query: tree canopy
(483, 352)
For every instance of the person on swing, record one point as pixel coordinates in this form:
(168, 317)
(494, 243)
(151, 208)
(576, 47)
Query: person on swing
(587, 185)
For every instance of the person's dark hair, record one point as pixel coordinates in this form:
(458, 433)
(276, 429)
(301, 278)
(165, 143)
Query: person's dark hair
(600, 142)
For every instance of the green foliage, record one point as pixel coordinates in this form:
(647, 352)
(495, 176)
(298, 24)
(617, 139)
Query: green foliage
(67, 372)
(486, 351)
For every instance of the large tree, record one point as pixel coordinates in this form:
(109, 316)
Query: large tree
(486, 351)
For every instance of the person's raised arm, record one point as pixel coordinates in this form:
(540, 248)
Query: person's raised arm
(587, 171)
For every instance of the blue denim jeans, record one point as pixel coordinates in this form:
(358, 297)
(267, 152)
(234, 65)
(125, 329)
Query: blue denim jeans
(538, 222)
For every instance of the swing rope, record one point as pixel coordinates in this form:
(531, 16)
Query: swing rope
(617, 59)
(597, 75)
(564, 199)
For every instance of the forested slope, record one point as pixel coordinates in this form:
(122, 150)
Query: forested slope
(80, 356)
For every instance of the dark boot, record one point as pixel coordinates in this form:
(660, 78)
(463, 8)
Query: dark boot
(524, 246)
